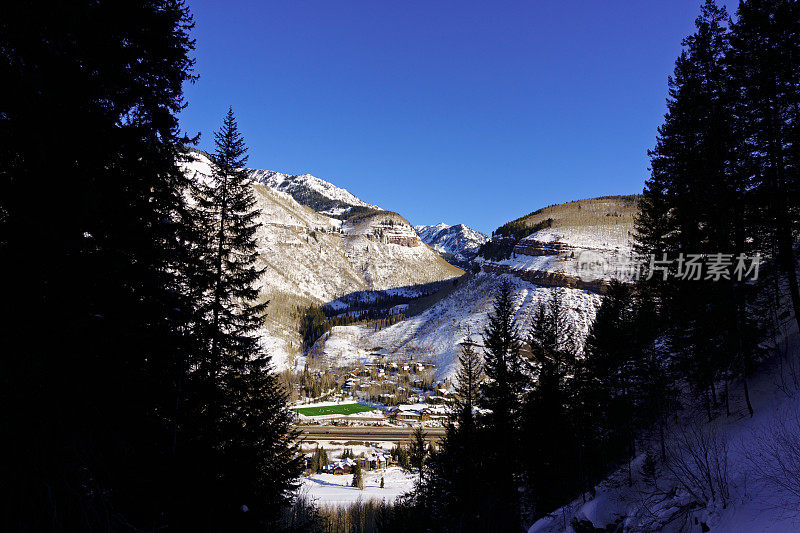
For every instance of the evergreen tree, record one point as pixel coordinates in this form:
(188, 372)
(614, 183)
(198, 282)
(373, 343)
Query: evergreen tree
(91, 234)
(450, 493)
(358, 478)
(695, 158)
(319, 460)
(469, 377)
(551, 468)
(766, 75)
(312, 325)
(400, 456)
(654, 380)
(613, 362)
(418, 450)
(241, 405)
(502, 394)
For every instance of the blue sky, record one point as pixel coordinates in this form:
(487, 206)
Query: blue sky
(461, 112)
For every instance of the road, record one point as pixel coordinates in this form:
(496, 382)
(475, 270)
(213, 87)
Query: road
(366, 433)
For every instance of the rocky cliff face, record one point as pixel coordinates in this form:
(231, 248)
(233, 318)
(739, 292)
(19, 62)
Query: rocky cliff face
(549, 279)
(584, 244)
(383, 227)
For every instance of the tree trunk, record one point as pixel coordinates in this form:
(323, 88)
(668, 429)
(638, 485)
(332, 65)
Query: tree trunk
(747, 397)
(713, 389)
(788, 263)
(781, 219)
(727, 399)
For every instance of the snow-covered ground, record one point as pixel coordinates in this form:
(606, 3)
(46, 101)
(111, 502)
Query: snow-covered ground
(334, 490)
(603, 237)
(755, 504)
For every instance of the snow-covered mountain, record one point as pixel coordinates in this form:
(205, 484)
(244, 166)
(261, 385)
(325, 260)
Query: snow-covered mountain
(458, 244)
(580, 244)
(544, 252)
(348, 247)
(318, 194)
(311, 257)
(461, 312)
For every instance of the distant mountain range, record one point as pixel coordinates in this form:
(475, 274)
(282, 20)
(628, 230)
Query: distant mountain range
(538, 254)
(322, 245)
(459, 244)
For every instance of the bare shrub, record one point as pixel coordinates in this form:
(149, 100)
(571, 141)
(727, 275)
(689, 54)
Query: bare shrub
(301, 515)
(774, 458)
(359, 517)
(698, 460)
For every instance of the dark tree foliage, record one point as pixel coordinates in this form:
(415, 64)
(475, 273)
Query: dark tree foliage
(503, 240)
(627, 385)
(146, 403)
(418, 451)
(471, 482)
(400, 456)
(519, 229)
(550, 465)
(503, 363)
(451, 492)
(469, 377)
(699, 156)
(237, 405)
(313, 325)
(497, 248)
(765, 74)
(502, 395)
(358, 478)
(610, 368)
(319, 459)
(90, 235)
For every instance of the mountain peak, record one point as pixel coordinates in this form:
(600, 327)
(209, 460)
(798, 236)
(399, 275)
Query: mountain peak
(318, 194)
(458, 244)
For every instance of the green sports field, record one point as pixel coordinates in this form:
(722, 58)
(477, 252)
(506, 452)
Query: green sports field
(343, 409)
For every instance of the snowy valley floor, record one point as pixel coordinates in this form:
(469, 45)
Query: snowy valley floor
(335, 490)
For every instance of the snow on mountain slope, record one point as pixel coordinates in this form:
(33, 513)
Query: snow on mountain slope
(320, 195)
(567, 248)
(429, 231)
(437, 332)
(459, 243)
(309, 257)
(580, 244)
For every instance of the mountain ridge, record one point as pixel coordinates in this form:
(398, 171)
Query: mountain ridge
(316, 193)
(311, 257)
(458, 243)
